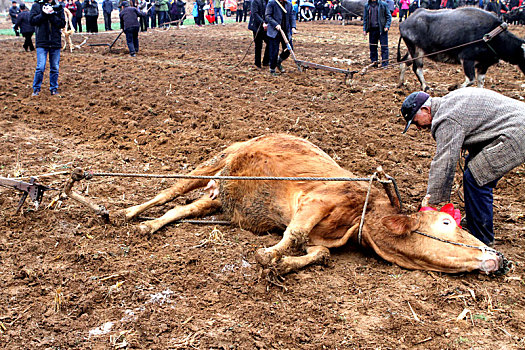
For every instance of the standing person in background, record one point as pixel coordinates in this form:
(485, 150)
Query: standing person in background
(27, 30)
(107, 8)
(152, 15)
(91, 15)
(240, 12)
(161, 8)
(77, 20)
(258, 27)
(178, 10)
(280, 17)
(129, 17)
(218, 11)
(143, 20)
(403, 9)
(200, 12)
(13, 13)
(48, 21)
(247, 6)
(73, 9)
(376, 22)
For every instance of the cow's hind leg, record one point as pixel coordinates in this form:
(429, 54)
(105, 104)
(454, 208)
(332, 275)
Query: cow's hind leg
(201, 207)
(418, 71)
(181, 187)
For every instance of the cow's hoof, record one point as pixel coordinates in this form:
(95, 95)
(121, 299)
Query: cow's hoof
(266, 258)
(118, 218)
(142, 229)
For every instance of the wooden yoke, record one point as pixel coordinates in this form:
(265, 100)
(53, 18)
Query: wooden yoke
(389, 187)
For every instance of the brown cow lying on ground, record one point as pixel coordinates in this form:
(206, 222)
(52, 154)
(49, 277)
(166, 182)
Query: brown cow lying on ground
(316, 214)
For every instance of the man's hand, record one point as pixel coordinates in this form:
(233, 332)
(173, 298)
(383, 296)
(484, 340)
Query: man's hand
(48, 9)
(265, 26)
(386, 29)
(364, 33)
(278, 27)
(294, 31)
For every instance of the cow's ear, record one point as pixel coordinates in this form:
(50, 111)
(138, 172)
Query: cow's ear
(400, 225)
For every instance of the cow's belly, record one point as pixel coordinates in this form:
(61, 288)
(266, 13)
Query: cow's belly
(253, 208)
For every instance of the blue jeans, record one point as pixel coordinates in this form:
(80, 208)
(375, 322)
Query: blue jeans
(478, 207)
(218, 13)
(54, 60)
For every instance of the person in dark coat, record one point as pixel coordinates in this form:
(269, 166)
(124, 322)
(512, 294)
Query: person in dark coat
(48, 21)
(77, 20)
(258, 27)
(129, 17)
(13, 13)
(27, 30)
(143, 20)
(107, 8)
(376, 22)
(280, 17)
(91, 15)
(178, 10)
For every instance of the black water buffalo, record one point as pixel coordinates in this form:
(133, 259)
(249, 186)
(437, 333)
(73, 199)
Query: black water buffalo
(428, 31)
(350, 9)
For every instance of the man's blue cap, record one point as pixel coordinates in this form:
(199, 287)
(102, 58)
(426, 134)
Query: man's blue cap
(412, 104)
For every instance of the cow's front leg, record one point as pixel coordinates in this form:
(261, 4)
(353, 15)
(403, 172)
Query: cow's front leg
(315, 254)
(295, 235)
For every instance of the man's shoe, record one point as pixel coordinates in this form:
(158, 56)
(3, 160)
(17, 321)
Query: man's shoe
(273, 72)
(35, 93)
(54, 92)
(133, 54)
(280, 67)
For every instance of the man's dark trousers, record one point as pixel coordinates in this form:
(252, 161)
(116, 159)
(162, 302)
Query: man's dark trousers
(479, 208)
(28, 43)
(375, 37)
(107, 20)
(132, 39)
(273, 44)
(258, 38)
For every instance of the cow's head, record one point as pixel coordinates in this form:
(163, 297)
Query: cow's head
(406, 242)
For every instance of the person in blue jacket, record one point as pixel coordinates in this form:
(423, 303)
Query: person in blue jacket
(376, 22)
(280, 18)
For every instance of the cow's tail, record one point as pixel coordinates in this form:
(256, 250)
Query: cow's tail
(399, 58)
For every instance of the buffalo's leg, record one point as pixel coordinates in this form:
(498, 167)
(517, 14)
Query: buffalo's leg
(480, 75)
(315, 254)
(201, 207)
(295, 235)
(418, 71)
(470, 73)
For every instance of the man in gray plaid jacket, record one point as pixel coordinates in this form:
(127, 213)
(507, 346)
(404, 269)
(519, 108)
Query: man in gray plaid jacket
(490, 126)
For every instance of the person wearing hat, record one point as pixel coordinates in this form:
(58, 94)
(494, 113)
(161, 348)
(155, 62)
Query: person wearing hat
(27, 30)
(490, 126)
(129, 17)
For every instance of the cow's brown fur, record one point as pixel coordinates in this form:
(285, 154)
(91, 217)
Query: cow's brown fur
(314, 214)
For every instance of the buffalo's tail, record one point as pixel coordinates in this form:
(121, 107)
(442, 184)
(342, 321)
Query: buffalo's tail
(405, 57)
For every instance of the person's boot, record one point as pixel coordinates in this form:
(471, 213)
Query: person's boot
(280, 66)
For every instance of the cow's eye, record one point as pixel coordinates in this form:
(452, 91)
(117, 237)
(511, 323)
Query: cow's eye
(446, 221)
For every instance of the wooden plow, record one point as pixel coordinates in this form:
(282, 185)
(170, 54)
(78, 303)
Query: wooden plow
(303, 65)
